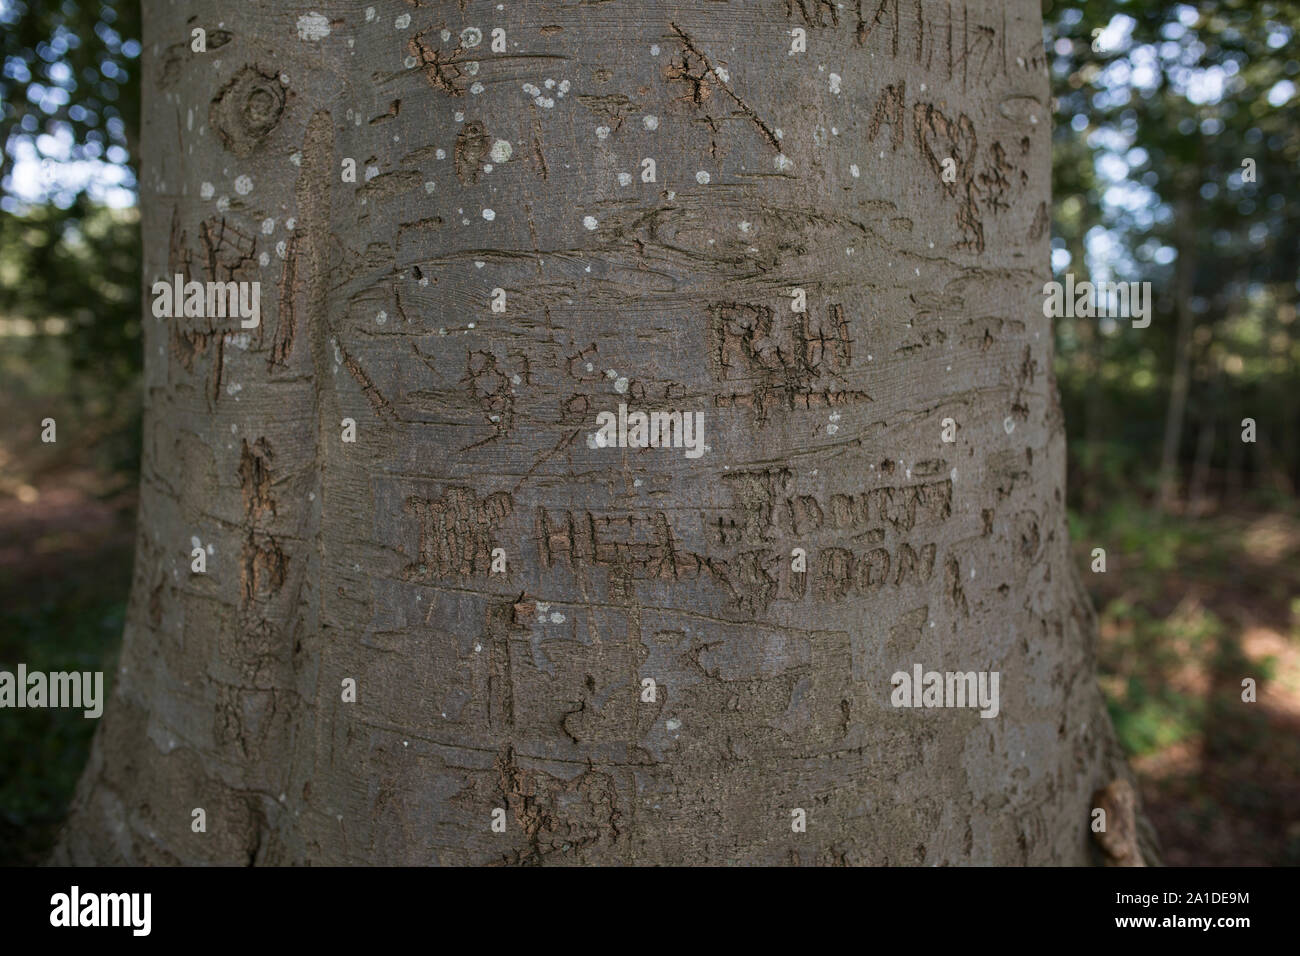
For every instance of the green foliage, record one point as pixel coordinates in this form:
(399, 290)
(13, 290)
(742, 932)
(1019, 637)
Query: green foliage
(1151, 130)
(72, 276)
(70, 68)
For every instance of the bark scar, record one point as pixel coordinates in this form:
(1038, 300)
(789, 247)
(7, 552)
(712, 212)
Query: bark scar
(749, 112)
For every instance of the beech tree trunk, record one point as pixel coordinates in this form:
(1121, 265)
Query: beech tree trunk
(503, 270)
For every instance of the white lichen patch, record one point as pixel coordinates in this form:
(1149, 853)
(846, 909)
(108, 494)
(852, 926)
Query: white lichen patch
(313, 26)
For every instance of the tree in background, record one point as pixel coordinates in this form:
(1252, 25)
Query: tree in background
(1177, 140)
(69, 233)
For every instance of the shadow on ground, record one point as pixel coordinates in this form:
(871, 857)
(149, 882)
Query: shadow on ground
(1190, 608)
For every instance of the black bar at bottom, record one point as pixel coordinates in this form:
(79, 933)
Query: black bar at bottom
(641, 907)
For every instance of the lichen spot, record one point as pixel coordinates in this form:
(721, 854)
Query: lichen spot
(313, 26)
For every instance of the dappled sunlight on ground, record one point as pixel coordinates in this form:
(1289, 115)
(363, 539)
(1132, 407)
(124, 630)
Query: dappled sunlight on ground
(1181, 628)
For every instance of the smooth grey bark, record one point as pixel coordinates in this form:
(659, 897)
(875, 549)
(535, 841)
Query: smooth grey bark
(522, 171)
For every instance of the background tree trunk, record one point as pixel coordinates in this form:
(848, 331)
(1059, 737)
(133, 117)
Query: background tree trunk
(522, 171)
(1170, 482)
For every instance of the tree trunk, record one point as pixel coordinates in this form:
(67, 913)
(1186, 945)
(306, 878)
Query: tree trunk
(524, 169)
(1198, 496)
(1184, 285)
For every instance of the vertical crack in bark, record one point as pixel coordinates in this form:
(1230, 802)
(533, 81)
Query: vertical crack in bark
(286, 324)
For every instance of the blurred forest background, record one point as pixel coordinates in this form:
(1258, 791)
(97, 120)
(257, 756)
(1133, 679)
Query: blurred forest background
(1162, 110)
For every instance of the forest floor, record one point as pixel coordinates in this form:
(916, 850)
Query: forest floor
(1191, 607)
(67, 528)
(65, 570)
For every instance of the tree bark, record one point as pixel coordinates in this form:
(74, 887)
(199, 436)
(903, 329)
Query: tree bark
(523, 170)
